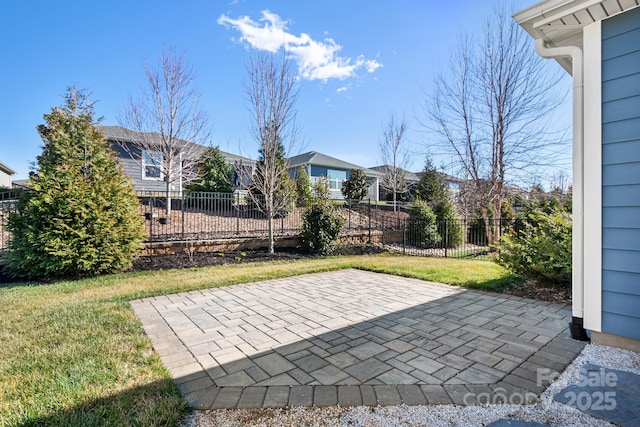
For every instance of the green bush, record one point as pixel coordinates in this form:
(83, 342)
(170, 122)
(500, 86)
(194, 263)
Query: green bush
(213, 173)
(304, 194)
(477, 232)
(355, 188)
(423, 226)
(449, 226)
(80, 215)
(541, 248)
(321, 222)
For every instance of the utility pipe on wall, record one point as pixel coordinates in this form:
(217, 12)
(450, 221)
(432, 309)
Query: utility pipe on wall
(577, 281)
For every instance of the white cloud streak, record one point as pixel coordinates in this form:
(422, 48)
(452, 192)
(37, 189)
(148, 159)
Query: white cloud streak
(317, 60)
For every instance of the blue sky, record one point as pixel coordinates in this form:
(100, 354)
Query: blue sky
(358, 62)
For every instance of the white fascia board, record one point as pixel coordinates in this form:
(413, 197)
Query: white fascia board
(541, 10)
(593, 180)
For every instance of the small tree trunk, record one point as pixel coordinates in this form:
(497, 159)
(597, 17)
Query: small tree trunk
(168, 210)
(488, 227)
(271, 243)
(497, 213)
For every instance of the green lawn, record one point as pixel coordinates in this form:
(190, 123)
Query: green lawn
(73, 352)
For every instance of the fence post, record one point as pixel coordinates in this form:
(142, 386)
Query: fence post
(151, 219)
(369, 220)
(237, 213)
(349, 214)
(404, 238)
(182, 208)
(446, 236)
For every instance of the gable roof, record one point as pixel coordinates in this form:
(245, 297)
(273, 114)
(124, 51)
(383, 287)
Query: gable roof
(408, 176)
(122, 135)
(319, 159)
(6, 169)
(560, 22)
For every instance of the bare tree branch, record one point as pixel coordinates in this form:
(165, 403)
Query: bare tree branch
(493, 110)
(272, 92)
(394, 157)
(166, 123)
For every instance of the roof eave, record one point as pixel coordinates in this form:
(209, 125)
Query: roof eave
(6, 169)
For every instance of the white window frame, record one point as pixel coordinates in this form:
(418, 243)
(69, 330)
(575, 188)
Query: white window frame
(335, 181)
(149, 155)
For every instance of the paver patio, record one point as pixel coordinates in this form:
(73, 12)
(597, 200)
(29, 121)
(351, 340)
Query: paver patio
(352, 337)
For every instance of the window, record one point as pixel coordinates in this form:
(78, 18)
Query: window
(336, 178)
(151, 164)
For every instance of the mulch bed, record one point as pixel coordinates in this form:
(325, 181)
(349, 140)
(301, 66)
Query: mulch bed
(201, 259)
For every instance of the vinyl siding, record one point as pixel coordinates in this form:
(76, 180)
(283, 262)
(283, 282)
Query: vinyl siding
(621, 174)
(133, 169)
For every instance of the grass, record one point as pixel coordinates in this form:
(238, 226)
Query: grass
(74, 353)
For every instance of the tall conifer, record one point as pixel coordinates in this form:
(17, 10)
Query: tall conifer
(79, 216)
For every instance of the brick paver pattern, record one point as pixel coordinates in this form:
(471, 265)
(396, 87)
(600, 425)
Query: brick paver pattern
(354, 337)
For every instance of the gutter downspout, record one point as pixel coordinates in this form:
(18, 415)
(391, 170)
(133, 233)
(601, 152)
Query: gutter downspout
(577, 277)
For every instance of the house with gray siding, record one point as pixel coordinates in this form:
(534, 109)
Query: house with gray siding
(144, 170)
(598, 42)
(5, 175)
(335, 170)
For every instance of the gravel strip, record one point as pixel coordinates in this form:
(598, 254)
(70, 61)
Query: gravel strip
(545, 411)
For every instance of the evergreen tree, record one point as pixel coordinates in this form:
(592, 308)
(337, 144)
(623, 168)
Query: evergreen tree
(303, 187)
(79, 216)
(430, 188)
(283, 197)
(213, 173)
(423, 226)
(321, 221)
(449, 224)
(355, 188)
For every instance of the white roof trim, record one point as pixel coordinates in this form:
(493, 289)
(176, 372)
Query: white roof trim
(560, 22)
(572, 10)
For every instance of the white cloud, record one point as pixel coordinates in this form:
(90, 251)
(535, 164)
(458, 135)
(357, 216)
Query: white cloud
(317, 60)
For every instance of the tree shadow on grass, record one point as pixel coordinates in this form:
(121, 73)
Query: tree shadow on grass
(156, 404)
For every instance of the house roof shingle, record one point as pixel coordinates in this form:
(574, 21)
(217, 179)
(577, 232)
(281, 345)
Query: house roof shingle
(315, 158)
(120, 134)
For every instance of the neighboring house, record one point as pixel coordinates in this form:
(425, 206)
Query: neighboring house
(144, 168)
(335, 170)
(453, 184)
(410, 178)
(5, 175)
(598, 42)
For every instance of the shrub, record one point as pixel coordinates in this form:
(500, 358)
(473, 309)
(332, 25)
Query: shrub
(213, 173)
(423, 226)
(79, 216)
(355, 188)
(449, 226)
(304, 194)
(477, 232)
(321, 222)
(541, 249)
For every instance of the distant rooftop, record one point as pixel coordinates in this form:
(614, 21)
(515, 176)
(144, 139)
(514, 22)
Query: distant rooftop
(315, 158)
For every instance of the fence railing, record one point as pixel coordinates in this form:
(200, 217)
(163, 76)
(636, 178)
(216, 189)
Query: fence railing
(196, 216)
(8, 200)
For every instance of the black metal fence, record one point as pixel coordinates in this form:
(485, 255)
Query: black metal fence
(207, 216)
(195, 216)
(8, 200)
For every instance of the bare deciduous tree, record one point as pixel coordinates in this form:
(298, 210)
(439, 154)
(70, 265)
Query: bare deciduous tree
(272, 93)
(492, 109)
(394, 157)
(167, 127)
